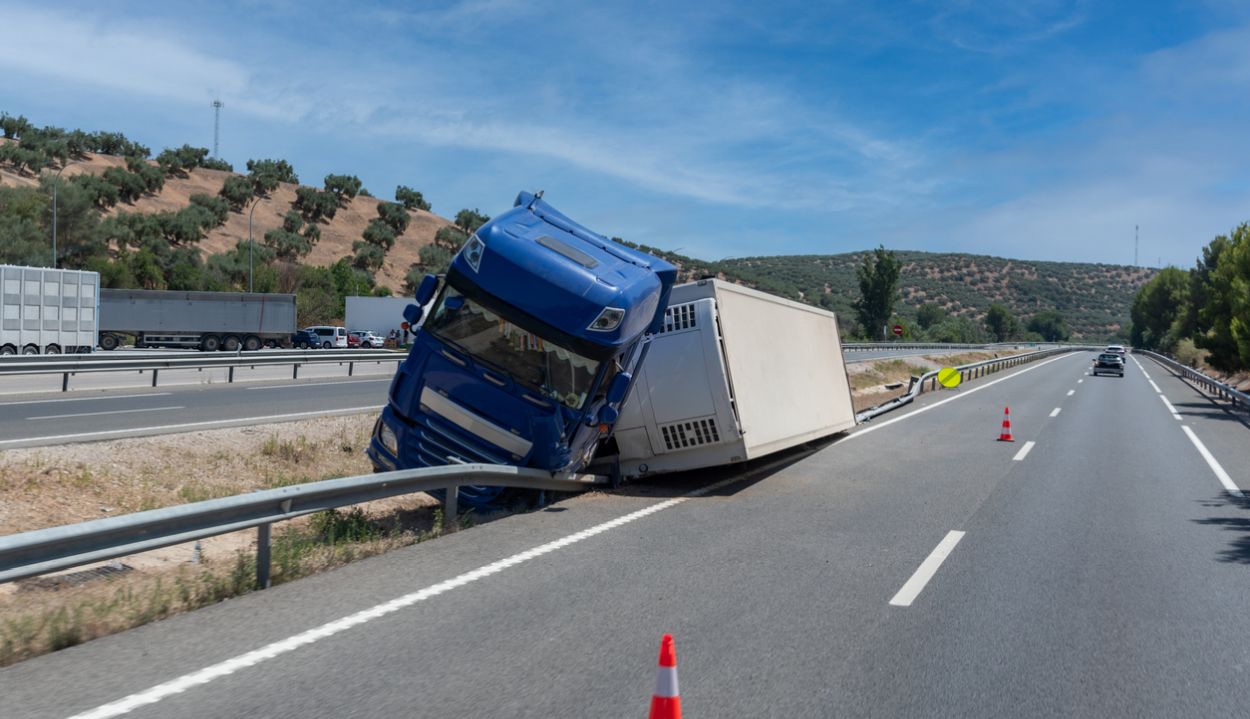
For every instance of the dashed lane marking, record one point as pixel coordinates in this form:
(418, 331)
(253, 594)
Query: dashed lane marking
(927, 569)
(1024, 451)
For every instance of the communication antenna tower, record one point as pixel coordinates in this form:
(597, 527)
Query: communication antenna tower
(217, 105)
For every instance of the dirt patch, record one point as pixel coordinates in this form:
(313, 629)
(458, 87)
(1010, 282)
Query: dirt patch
(875, 383)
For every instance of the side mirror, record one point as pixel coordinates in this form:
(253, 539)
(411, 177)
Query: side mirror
(413, 314)
(426, 290)
(608, 414)
(618, 388)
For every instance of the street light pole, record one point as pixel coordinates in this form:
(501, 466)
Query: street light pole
(250, 242)
(56, 182)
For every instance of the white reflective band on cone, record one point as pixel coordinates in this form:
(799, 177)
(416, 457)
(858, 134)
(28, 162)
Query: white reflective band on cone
(666, 682)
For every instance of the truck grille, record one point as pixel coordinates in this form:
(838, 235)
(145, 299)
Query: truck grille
(690, 433)
(432, 440)
(679, 317)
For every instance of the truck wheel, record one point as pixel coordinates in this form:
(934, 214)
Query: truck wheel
(52, 350)
(231, 344)
(30, 350)
(8, 350)
(251, 343)
(109, 342)
(210, 343)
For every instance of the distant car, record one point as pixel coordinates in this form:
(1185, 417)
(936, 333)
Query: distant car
(365, 338)
(304, 339)
(1109, 363)
(353, 340)
(329, 335)
(1116, 349)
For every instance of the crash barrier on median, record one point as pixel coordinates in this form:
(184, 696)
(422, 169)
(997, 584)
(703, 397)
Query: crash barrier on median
(70, 365)
(867, 346)
(929, 381)
(1237, 398)
(49, 550)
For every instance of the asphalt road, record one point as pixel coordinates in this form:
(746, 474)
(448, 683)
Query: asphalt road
(1094, 567)
(53, 420)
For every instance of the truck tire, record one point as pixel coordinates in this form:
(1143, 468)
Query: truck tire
(30, 350)
(210, 343)
(231, 343)
(109, 342)
(251, 343)
(52, 350)
(8, 350)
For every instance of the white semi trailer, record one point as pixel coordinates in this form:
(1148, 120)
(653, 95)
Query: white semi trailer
(736, 374)
(47, 311)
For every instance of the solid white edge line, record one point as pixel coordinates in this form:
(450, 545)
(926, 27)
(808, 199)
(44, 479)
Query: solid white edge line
(926, 570)
(1055, 412)
(189, 426)
(1169, 404)
(84, 399)
(1024, 451)
(278, 648)
(1220, 474)
(313, 383)
(97, 414)
(876, 426)
(1155, 386)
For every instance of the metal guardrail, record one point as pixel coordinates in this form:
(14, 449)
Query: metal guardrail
(1213, 386)
(69, 365)
(48, 550)
(966, 372)
(865, 346)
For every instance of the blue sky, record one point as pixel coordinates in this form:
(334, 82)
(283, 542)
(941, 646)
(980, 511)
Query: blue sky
(1038, 130)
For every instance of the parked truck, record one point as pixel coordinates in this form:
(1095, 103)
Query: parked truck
(550, 346)
(199, 320)
(47, 311)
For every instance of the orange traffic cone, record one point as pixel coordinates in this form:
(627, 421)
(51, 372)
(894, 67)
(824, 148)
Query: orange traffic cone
(1005, 435)
(666, 703)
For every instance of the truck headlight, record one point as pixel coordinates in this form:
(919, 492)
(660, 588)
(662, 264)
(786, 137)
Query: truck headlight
(473, 251)
(608, 320)
(388, 440)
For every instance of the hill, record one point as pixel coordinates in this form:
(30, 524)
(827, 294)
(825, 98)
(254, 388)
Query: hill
(1093, 298)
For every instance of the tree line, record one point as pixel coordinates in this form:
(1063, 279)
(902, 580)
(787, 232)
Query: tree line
(1206, 307)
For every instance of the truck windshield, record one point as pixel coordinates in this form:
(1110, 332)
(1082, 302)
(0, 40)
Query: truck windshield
(557, 373)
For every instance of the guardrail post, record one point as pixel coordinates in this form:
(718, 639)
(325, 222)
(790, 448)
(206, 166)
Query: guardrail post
(262, 556)
(451, 509)
(153, 376)
(230, 374)
(295, 371)
(350, 365)
(65, 382)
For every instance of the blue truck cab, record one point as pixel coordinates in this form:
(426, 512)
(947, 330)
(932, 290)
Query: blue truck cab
(529, 348)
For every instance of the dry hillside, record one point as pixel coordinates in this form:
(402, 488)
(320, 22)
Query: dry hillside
(337, 235)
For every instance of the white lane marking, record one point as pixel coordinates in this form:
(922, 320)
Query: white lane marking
(1171, 409)
(1071, 392)
(97, 414)
(113, 433)
(85, 399)
(1024, 451)
(927, 569)
(278, 648)
(313, 383)
(939, 403)
(1143, 373)
(1055, 412)
(1220, 474)
(1079, 381)
(1155, 386)
(1143, 369)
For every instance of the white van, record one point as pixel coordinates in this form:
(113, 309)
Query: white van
(330, 336)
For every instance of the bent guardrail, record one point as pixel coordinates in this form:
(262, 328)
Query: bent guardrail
(1237, 398)
(70, 365)
(972, 370)
(48, 550)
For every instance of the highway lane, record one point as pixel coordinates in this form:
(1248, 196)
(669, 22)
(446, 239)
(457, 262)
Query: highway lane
(1087, 584)
(56, 420)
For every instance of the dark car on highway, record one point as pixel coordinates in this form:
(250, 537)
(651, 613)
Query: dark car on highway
(303, 339)
(1108, 363)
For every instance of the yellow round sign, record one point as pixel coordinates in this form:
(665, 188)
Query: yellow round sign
(949, 377)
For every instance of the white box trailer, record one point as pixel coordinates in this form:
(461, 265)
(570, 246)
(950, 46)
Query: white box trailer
(208, 321)
(47, 311)
(735, 374)
(379, 315)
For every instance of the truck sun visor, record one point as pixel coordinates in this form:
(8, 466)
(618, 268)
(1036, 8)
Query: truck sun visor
(572, 253)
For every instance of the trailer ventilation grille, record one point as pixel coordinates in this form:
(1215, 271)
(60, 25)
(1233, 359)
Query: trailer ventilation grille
(692, 433)
(679, 317)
